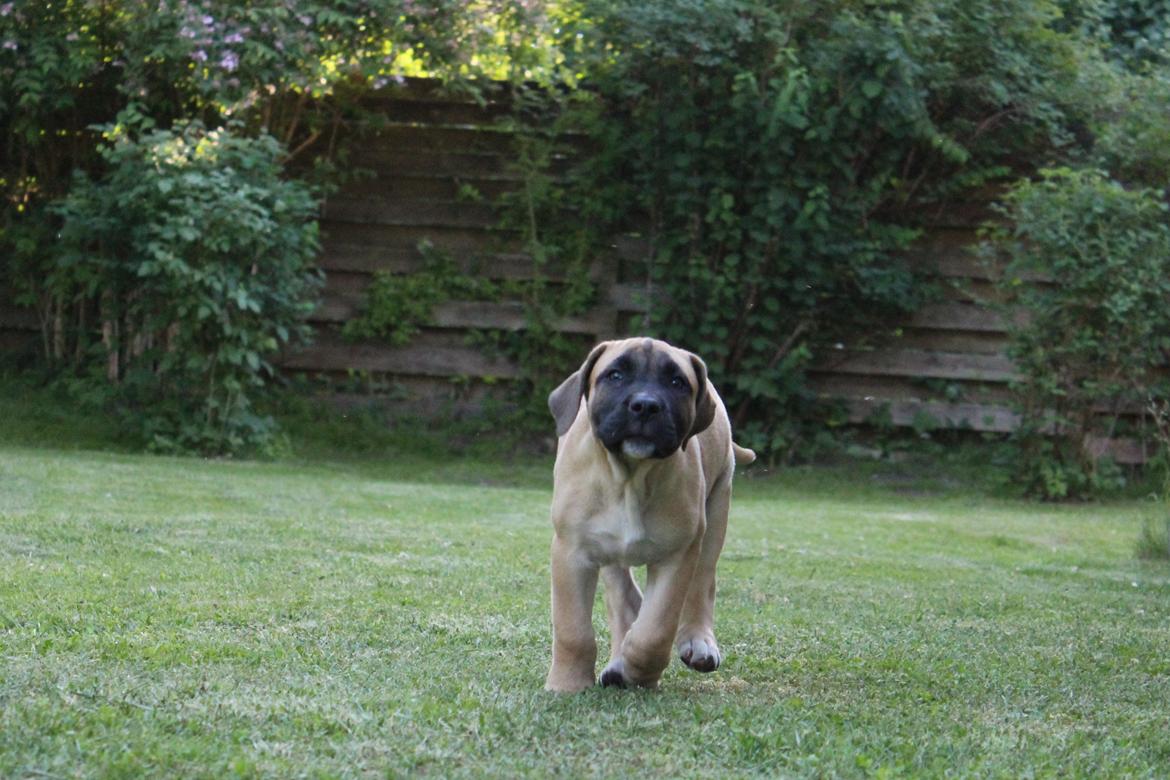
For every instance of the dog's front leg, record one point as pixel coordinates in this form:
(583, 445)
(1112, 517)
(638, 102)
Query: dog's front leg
(646, 649)
(574, 584)
(623, 599)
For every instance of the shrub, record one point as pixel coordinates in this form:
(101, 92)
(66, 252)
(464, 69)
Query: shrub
(1098, 318)
(1154, 538)
(180, 272)
(776, 156)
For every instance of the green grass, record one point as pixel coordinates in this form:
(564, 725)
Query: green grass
(389, 617)
(1154, 538)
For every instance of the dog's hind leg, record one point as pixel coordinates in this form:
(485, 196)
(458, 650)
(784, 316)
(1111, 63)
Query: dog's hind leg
(696, 633)
(623, 599)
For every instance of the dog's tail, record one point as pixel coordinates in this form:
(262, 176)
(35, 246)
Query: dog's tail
(743, 456)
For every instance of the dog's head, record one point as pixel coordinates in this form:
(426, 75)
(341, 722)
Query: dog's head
(645, 398)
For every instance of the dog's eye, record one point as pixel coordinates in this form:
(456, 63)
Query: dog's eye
(678, 382)
(615, 375)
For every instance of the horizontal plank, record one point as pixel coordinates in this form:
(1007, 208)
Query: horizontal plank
(429, 188)
(1123, 450)
(977, 291)
(414, 163)
(954, 315)
(432, 138)
(633, 296)
(449, 163)
(935, 414)
(909, 388)
(19, 341)
(427, 110)
(479, 93)
(917, 363)
(341, 307)
(18, 317)
(966, 213)
(499, 138)
(414, 213)
(938, 340)
(964, 265)
(368, 240)
(405, 397)
(369, 260)
(983, 418)
(427, 355)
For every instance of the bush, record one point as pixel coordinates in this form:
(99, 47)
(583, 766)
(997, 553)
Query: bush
(776, 156)
(1154, 538)
(179, 274)
(1089, 261)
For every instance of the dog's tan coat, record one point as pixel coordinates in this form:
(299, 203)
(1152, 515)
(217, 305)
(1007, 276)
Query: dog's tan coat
(611, 512)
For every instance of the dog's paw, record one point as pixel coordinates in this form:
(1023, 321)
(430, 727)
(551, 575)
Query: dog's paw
(702, 655)
(613, 676)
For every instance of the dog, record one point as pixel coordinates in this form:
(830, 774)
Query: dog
(642, 477)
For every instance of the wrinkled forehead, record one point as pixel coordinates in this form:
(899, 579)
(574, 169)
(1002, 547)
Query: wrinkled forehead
(643, 356)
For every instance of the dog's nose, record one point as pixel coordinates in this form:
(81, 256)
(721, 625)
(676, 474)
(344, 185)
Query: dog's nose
(644, 405)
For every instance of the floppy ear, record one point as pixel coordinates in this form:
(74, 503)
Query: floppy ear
(566, 399)
(704, 403)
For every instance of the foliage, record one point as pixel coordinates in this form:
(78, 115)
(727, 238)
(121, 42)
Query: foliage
(193, 260)
(397, 305)
(1132, 133)
(276, 71)
(1153, 541)
(561, 284)
(1093, 341)
(67, 65)
(775, 156)
(1133, 33)
(1154, 538)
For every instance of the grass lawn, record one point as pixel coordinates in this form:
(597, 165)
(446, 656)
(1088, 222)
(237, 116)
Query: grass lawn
(389, 617)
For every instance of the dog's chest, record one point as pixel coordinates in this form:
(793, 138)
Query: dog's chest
(630, 532)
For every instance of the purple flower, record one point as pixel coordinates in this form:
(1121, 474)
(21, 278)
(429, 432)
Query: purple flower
(234, 38)
(9, 45)
(208, 21)
(5, 9)
(230, 61)
(199, 55)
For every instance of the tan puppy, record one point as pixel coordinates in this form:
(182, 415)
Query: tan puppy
(642, 476)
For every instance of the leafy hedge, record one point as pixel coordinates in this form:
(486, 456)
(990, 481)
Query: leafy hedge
(1098, 323)
(169, 272)
(196, 262)
(777, 155)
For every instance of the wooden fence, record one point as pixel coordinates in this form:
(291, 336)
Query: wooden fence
(947, 368)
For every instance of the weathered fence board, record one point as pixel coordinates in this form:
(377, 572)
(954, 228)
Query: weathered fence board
(919, 363)
(429, 354)
(935, 414)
